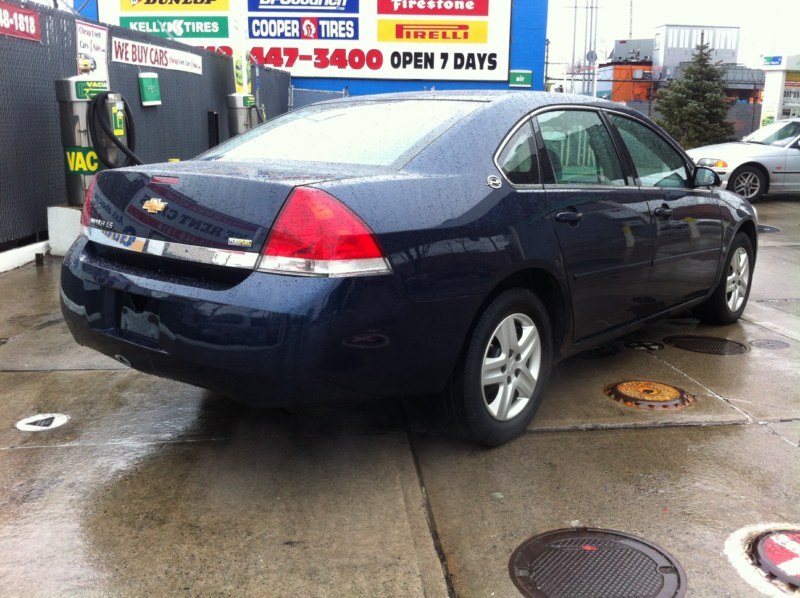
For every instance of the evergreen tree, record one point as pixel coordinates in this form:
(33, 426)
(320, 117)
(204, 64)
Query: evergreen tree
(694, 109)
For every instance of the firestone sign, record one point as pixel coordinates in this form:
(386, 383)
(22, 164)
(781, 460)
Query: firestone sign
(456, 40)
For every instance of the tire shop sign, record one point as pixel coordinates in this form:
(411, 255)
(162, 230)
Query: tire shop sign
(466, 40)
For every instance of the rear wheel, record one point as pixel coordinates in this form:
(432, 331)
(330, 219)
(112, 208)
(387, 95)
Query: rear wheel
(727, 303)
(498, 384)
(749, 182)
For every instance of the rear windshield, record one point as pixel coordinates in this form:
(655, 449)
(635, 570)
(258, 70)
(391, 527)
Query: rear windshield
(367, 133)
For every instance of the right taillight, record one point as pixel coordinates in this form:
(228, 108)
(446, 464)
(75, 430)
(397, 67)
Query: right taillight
(317, 235)
(86, 218)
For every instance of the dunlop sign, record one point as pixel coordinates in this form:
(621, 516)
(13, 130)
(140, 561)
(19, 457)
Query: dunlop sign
(82, 160)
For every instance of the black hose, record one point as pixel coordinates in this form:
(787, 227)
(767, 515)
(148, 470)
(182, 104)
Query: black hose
(95, 117)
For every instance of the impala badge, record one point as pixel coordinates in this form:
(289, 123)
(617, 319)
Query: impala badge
(154, 205)
(236, 242)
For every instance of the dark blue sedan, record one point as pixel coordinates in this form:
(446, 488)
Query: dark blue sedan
(439, 243)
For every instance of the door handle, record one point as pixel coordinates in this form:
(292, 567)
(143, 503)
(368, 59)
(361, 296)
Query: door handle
(571, 217)
(663, 212)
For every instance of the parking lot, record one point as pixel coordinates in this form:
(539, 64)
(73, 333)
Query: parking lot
(154, 488)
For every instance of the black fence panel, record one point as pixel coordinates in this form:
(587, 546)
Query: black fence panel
(178, 128)
(305, 97)
(272, 90)
(31, 157)
(32, 162)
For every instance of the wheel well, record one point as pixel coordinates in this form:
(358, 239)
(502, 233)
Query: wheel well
(756, 166)
(749, 228)
(545, 286)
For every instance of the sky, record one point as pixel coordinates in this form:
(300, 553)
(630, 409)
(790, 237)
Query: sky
(766, 27)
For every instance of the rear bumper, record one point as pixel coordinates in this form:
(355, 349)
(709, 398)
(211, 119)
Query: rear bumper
(270, 339)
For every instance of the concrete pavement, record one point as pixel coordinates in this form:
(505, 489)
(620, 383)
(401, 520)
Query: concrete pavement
(154, 488)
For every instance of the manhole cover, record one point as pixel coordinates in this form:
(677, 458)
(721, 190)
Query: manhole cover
(778, 554)
(644, 346)
(763, 228)
(594, 563)
(706, 344)
(770, 344)
(649, 395)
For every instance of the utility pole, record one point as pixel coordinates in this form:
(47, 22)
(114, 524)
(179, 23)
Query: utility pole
(630, 27)
(574, 36)
(546, 61)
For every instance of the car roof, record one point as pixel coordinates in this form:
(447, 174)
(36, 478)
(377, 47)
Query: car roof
(528, 98)
(510, 102)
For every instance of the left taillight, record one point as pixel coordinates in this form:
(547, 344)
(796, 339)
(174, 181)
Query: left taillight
(317, 235)
(86, 218)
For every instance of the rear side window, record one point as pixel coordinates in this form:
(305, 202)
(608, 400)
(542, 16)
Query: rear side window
(657, 163)
(580, 148)
(367, 133)
(518, 159)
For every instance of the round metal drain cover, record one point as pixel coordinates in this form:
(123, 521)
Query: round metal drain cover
(770, 344)
(594, 563)
(706, 344)
(778, 554)
(763, 228)
(649, 395)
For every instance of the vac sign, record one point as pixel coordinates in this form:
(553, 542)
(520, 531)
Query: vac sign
(82, 160)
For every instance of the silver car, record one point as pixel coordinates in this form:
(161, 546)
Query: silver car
(766, 161)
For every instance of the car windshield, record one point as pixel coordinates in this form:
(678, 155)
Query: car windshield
(367, 133)
(779, 133)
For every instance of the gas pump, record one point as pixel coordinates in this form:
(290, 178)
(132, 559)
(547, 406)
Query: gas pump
(96, 131)
(243, 114)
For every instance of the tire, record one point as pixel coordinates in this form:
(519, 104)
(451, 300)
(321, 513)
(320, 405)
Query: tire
(729, 299)
(513, 331)
(749, 182)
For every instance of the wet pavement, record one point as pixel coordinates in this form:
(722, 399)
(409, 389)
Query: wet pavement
(154, 488)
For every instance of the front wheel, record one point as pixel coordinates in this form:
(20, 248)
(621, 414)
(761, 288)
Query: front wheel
(498, 384)
(729, 299)
(749, 182)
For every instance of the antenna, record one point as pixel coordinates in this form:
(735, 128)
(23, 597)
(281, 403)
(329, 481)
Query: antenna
(630, 27)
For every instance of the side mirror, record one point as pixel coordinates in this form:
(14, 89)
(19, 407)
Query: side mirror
(705, 177)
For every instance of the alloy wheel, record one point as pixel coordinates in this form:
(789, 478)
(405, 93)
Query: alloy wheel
(747, 185)
(511, 367)
(738, 279)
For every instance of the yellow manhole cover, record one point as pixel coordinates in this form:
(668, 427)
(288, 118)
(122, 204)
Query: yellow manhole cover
(649, 395)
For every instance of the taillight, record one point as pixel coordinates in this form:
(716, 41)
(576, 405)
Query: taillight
(87, 207)
(316, 235)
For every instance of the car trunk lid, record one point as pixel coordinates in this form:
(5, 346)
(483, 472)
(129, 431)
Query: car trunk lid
(199, 204)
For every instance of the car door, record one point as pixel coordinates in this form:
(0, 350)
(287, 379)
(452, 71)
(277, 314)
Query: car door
(688, 228)
(600, 219)
(792, 168)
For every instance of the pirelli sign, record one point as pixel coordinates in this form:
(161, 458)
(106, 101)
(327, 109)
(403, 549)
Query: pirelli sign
(448, 32)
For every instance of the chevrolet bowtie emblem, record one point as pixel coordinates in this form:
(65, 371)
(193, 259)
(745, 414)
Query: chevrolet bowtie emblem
(154, 205)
